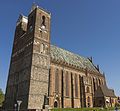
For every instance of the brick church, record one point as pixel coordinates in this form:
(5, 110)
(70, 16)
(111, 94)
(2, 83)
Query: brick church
(42, 74)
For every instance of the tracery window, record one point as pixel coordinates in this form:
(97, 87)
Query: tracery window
(87, 89)
(44, 48)
(67, 83)
(94, 85)
(43, 25)
(56, 80)
(99, 82)
(88, 99)
(76, 86)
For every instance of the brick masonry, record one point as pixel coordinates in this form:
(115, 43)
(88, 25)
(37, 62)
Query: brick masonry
(33, 73)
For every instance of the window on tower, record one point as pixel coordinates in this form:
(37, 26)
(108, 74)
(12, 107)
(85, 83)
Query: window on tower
(46, 49)
(42, 48)
(31, 23)
(43, 22)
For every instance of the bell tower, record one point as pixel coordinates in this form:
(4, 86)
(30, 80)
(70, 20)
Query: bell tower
(30, 61)
(39, 27)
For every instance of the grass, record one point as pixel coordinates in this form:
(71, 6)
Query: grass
(83, 109)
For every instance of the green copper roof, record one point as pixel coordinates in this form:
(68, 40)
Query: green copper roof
(71, 58)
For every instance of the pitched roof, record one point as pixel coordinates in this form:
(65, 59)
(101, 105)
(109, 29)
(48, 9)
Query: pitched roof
(107, 92)
(103, 90)
(71, 58)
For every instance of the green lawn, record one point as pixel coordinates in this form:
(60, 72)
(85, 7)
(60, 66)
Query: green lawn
(83, 109)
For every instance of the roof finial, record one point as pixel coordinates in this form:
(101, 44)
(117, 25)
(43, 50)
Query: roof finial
(91, 59)
(98, 68)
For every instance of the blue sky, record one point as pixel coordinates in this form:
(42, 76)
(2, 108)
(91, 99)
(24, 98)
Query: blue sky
(85, 27)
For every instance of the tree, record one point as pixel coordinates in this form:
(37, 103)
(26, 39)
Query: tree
(1, 97)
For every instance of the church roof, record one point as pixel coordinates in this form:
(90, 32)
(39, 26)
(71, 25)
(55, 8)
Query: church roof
(71, 58)
(107, 92)
(103, 90)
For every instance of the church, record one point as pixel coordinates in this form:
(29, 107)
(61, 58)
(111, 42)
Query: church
(43, 75)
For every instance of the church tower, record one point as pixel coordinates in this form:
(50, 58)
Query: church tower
(39, 24)
(30, 61)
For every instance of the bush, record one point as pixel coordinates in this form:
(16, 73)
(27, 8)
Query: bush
(1, 97)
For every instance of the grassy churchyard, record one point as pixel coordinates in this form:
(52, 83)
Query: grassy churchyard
(85, 109)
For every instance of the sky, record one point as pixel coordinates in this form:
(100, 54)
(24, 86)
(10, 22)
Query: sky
(86, 27)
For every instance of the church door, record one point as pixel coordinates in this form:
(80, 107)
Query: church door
(55, 104)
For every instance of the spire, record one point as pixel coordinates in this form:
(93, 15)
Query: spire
(90, 59)
(98, 67)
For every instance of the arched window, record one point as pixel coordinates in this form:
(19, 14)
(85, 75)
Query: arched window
(103, 82)
(76, 86)
(43, 20)
(42, 48)
(99, 82)
(94, 85)
(88, 99)
(67, 83)
(56, 80)
(87, 89)
(31, 23)
(55, 104)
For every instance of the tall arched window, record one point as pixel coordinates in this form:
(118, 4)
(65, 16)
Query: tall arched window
(99, 82)
(76, 86)
(67, 83)
(43, 21)
(87, 89)
(88, 99)
(31, 23)
(56, 80)
(42, 48)
(94, 85)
